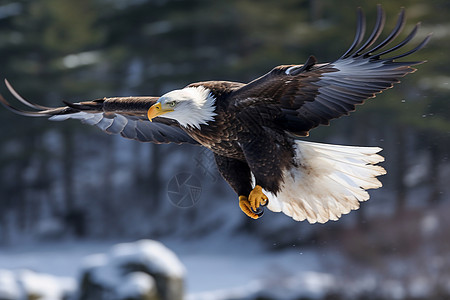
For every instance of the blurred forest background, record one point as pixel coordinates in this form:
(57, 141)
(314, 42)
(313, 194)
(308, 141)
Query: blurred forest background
(68, 180)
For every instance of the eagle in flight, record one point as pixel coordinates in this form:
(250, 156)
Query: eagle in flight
(255, 129)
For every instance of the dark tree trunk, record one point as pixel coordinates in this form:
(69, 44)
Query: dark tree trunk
(435, 153)
(400, 167)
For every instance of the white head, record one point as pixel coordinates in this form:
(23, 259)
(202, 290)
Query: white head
(191, 106)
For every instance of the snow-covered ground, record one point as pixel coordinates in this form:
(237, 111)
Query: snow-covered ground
(216, 269)
(224, 267)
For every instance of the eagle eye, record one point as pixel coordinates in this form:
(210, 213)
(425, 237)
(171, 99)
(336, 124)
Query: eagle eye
(171, 103)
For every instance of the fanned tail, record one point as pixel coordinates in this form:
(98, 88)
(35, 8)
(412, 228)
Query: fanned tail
(327, 181)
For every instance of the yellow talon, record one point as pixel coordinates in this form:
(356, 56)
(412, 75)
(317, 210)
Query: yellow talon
(257, 198)
(244, 204)
(250, 206)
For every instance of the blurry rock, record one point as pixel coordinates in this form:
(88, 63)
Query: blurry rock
(26, 284)
(144, 270)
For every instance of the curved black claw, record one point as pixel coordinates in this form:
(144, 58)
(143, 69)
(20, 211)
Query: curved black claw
(259, 211)
(265, 203)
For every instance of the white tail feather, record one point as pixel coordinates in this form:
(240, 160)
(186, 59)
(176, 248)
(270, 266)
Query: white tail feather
(328, 181)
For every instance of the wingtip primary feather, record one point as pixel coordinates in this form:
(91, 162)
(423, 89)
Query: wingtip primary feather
(11, 108)
(22, 100)
(378, 28)
(360, 31)
(377, 52)
(401, 20)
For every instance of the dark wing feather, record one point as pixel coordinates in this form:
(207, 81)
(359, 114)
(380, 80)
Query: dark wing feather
(312, 94)
(126, 116)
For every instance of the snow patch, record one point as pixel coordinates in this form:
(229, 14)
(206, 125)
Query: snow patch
(26, 284)
(309, 285)
(9, 287)
(153, 254)
(135, 285)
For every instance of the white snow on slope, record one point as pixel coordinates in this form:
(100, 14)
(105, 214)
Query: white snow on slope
(21, 284)
(310, 285)
(213, 267)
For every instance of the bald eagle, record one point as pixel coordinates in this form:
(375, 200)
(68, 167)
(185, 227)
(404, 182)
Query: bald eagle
(255, 129)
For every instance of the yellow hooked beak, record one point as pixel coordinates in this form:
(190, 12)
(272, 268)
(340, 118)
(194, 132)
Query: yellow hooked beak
(156, 110)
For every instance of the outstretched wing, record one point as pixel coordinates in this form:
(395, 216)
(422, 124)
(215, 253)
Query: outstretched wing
(126, 116)
(301, 97)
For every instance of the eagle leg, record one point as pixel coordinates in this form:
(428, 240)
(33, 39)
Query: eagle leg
(245, 206)
(252, 206)
(257, 198)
